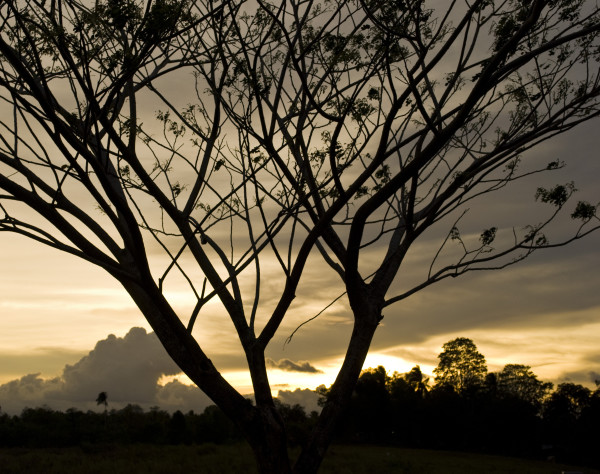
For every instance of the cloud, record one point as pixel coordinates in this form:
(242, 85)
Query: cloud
(588, 378)
(178, 396)
(301, 396)
(291, 366)
(127, 368)
(28, 391)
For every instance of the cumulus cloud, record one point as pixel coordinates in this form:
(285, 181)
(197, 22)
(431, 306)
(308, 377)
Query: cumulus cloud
(28, 391)
(291, 366)
(301, 396)
(127, 368)
(178, 396)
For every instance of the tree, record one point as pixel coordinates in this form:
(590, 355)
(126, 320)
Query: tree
(565, 416)
(413, 384)
(410, 415)
(368, 417)
(461, 366)
(511, 405)
(518, 381)
(327, 130)
(102, 399)
(417, 381)
(567, 402)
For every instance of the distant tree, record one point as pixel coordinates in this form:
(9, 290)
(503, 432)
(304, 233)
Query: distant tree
(179, 431)
(517, 380)
(409, 412)
(374, 378)
(510, 404)
(333, 132)
(567, 402)
(368, 417)
(102, 399)
(417, 380)
(461, 366)
(567, 414)
(588, 428)
(372, 388)
(413, 381)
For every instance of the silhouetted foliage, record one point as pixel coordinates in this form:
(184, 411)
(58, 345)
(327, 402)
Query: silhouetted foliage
(102, 399)
(178, 430)
(517, 381)
(44, 427)
(461, 366)
(511, 413)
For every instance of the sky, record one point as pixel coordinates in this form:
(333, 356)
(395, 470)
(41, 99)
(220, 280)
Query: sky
(68, 331)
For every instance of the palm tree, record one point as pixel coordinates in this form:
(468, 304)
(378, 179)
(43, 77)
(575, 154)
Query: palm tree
(102, 400)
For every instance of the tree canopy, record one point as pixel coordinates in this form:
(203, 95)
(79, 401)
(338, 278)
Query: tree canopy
(334, 131)
(461, 366)
(517, 380)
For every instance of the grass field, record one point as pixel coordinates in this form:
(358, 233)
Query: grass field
(211, 459)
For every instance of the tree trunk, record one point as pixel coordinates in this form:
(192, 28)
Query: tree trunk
(341, 391)
(262, 425)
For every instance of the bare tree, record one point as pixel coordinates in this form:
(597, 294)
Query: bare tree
(326, 129)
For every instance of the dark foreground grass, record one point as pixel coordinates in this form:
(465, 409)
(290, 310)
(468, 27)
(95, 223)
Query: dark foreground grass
(212, 459)
(370, 460)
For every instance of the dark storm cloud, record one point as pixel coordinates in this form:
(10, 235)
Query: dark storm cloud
(291, 366)
(127, 368)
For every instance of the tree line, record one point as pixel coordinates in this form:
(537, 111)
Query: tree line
(465, 407)
(509, 412)
(44, 427)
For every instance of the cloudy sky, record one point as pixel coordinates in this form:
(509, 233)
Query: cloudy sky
(66, 327)
(68, 331)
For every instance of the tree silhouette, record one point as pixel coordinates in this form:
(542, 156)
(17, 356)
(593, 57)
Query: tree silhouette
(333, 133)
(102, 399)
(517, 380)
(461, 366)
(568, 402)
(417, 380)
